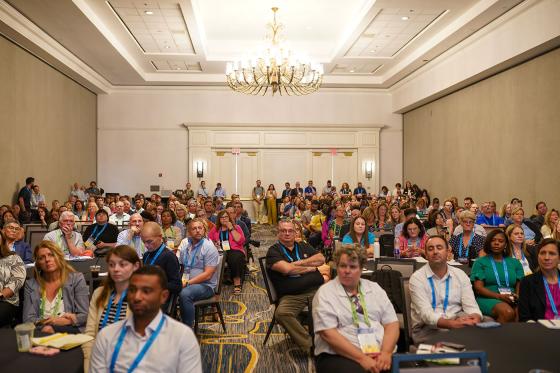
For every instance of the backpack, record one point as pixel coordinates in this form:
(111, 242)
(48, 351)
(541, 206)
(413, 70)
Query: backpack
(390, 281)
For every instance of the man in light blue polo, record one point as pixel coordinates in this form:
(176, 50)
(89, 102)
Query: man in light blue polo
(200, 260)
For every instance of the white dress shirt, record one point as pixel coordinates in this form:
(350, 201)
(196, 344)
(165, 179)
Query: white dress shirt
(175, 349)
(461, 296)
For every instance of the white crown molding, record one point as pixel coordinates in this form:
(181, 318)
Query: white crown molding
(27, 35)
(330, 127)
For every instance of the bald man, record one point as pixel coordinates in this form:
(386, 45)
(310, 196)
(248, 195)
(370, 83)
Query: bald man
(160, 255)
(131, 236)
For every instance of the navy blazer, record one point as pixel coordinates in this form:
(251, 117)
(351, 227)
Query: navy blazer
(23, 249)
(532, 297)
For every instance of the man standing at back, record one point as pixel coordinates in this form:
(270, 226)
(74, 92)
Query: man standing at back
(24, 196)
(258, 201)
(147, 340)
(296, 271)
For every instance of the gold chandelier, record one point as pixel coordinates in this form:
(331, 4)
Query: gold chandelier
(276, 69)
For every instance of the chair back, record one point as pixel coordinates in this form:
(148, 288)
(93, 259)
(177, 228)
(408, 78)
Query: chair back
(35, 237)
(221, 267)
(465, 357)
(405, 266)
(28, 228)
(84, 226)
(387, 244)
(405, 290)
(270, 290)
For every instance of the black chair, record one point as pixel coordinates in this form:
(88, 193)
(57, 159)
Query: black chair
(171, 307)
(405, 266)
(201, 307)
(272, 296)
(28, 228)
(407, 319)
(35, 237)
(387, 245)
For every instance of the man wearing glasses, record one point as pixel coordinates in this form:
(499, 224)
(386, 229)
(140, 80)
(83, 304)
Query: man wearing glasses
(296, 271)
(12, 232)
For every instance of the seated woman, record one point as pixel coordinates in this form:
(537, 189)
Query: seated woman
(345, 192)
(12, 278)
(437, 225)
(359, 234)
(396, 217)
(496, 278)
(337, 224)
(550, 221)
(532, 233)
(520, 250)
(422, 208)
(539, 293)
(90, 213)
(382, 221)
(412, 240)
(56, 298)
(344, 306)
(468, 244)
(108, 303)
(172, 235)
(369, 215)
(229, 237)
(79, 210)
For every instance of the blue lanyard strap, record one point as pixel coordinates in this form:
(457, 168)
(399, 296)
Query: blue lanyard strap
(290, 259)
(446, 299)
(550, 299)
(194, 251)
(119, 306)
(155, 256)
(224, 236)
(506, 274)
(468, 245)
(100, 232)
(142, 353)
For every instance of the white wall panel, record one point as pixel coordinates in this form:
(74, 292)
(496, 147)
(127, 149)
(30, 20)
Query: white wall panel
(236, 139)
(285, 138)
(332, 140)
(346, 170)
(279, 166)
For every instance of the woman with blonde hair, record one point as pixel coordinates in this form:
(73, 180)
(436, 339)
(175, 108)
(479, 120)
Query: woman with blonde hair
(56, 298)
(550, 222)
(520, 250)
(108, 303)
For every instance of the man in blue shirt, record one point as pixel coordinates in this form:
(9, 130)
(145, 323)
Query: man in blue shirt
(310, 190)
(200, 260)
(489, 218)
(24, 196)
(360, 191)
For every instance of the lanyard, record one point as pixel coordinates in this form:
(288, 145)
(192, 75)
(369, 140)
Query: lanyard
(100, 232)
(142, 353)
(550, 299)
(446, 299)
(353, 307)
(224, 236)
(468, 246)
(56, 304)
(156, 256)
(172, 232)
(506, 274)
(290, 259)
(523, 259)
(195, 249)
(119, 305)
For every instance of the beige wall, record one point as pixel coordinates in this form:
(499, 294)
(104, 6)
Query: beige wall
(495, 139)
(48, 126)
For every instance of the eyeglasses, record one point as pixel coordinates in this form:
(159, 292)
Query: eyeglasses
(13, 228)
(468, 221)
(286, 231)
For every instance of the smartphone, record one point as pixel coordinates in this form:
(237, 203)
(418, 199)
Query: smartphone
(488, 324)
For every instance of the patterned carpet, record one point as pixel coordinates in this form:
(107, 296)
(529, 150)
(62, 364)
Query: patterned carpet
(247, 318)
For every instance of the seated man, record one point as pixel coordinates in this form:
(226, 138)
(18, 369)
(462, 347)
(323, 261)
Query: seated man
(296, 271)
(131, 236)
(119, 217)
(200, 261)
(160, 255)
(348, 309)
(489, 218)
(147, 339)
(442, 295)
(65, 237)
(101, 236)
(13, 240)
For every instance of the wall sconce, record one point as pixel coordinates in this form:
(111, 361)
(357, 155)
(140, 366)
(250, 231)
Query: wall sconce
(199, 169)
(369, 169)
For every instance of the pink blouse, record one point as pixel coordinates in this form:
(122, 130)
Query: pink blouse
(214, 235)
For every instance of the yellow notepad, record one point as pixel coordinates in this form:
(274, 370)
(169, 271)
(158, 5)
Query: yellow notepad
(63, 341)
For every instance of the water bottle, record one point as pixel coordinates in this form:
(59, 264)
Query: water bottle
(376, 250)
(397, 251)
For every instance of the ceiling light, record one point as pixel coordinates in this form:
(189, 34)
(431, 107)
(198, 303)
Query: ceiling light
(148, 12)
(167, 47)
(405, 18)
(276, 68)
(352, 70)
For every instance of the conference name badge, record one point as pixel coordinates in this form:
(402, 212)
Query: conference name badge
(506, 291)
(225, 246)
(367, 340)
(89, 243)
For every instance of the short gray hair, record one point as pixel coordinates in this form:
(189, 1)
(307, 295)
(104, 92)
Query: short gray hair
(354, 252)
(67, 213)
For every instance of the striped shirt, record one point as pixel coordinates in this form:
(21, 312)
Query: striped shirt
(112, 313)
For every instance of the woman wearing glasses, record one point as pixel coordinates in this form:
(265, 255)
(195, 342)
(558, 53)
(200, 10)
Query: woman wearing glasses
(468, 244)
(12, 277)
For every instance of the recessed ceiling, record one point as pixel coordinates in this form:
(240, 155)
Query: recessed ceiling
(361, 43)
